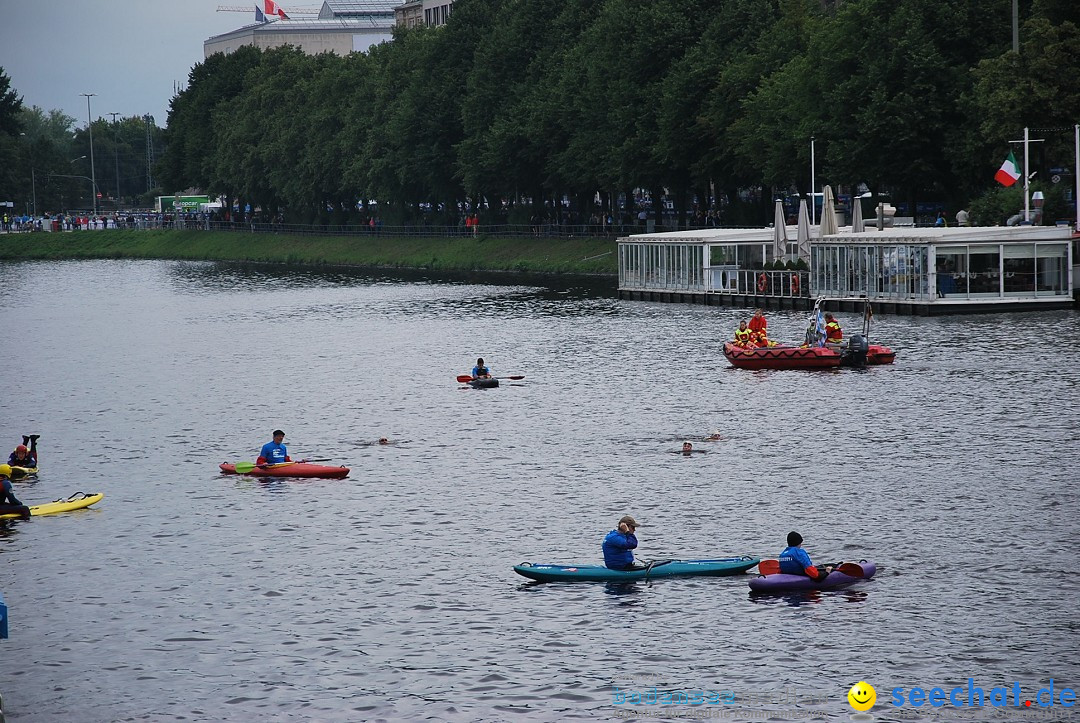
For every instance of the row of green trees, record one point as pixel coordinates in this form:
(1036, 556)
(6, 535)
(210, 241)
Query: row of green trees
(46, 159)
(537, 100)
(523, 102)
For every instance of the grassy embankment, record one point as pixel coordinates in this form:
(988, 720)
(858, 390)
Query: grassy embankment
(575, 256)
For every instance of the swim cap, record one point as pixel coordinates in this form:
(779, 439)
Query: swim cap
(21, 448)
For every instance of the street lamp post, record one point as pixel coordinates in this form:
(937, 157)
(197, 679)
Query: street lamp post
(85, 178)
(116, 155)
(33, 179)
(90, 127)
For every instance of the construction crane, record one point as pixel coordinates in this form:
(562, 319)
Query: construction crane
(251, 8)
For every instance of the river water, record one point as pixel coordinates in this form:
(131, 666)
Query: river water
(188, 595)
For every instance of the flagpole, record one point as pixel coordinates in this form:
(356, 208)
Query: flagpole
(1076, 130)
(1027, 197)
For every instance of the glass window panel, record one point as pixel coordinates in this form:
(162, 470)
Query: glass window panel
(952, 268)
(984, 267)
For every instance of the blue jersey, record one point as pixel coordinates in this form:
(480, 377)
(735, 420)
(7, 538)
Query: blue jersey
(478, 372)
(273, 453)
(794, 561)
(617, 547)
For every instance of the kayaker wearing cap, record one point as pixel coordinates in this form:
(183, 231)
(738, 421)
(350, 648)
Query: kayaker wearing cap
(480, 371)
(795, 561)
(23, 457)
(618, 545)
(274, 452)
(9, 504)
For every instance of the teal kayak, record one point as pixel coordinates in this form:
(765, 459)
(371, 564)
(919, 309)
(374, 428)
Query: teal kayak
(544, 572)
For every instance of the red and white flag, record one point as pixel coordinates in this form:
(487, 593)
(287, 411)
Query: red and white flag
(271, 8)
(1007, 175)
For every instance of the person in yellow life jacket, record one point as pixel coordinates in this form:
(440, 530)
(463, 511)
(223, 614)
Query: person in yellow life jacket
(833, 333)
(743, 335)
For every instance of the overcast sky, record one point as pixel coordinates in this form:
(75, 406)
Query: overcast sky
(129, 52)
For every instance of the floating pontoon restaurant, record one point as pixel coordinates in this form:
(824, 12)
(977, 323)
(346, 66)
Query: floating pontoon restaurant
(922, 271)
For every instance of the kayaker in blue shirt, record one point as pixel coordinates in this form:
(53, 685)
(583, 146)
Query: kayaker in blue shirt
(9, 504)
(618, 545)
(795, 561)
(274, 452)
(480, 371)
(23, 457)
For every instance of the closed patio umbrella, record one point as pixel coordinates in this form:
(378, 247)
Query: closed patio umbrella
(857, 223)
(803, 235)
(780, 238)
(828, 214)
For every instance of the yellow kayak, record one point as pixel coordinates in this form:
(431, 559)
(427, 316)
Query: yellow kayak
(76, 502)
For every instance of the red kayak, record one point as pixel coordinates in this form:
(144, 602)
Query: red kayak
(291, 469)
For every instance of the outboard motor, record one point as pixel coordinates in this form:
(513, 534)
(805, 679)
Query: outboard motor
(857, 349)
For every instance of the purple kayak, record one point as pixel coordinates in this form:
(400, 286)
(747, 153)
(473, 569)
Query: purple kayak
(783, 583)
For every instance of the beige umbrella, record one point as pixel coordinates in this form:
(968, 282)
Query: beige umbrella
(857, 223)
(803, 235)
(828, 214)
(779, 231)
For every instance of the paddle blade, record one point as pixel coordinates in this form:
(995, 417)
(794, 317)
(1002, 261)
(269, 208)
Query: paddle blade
(516, 376)
(851, 569)
(769, 567)
(244, 467)
(464, 378)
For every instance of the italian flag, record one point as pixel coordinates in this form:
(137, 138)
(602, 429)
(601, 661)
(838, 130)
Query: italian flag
(271, 9)
(1008, 174)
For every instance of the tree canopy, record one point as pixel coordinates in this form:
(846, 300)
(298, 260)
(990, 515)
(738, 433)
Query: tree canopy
(523, 104)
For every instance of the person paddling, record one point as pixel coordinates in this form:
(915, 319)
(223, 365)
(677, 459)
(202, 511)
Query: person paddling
(9, 504)
(23, 456)
(795, 561)
(274, 452)
(481, 371)
(619, 545)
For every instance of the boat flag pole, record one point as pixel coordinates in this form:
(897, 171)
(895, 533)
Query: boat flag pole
(813, 187)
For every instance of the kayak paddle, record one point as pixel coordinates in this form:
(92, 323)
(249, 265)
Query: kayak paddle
(463, 378)
(245, 467)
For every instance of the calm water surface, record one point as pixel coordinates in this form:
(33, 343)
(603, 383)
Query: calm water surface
(188, 595)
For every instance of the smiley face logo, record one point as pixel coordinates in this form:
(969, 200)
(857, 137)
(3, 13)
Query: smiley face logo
(862, 696)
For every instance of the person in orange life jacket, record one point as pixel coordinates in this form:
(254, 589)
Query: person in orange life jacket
(833, 333)
(795, 561)
(618, 546)
(759, 324)
(9, 504)
(23, 457)
(274, 452)
(480, 371)
(743, 335)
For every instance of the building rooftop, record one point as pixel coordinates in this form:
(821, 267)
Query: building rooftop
(900, 234)
(350, 8)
